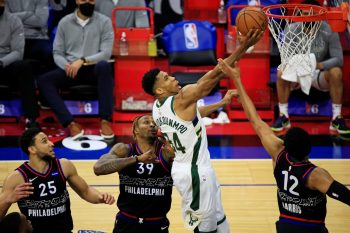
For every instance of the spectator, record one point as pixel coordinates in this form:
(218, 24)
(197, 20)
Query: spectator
(328, 77)
(15, 72)
(39, 186)
(16, 223)
(82, 46)
(124, 18)
(34, 15)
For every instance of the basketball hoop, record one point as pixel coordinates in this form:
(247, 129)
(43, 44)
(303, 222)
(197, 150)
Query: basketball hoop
(294, 27)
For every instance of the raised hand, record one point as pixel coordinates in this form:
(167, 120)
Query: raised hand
(251, 38)
(229, 95)
(233, 73)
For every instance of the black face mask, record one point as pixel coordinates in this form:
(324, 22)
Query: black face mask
(2, 8)
(87, 9)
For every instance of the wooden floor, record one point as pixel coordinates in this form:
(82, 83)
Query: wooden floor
(248, 193)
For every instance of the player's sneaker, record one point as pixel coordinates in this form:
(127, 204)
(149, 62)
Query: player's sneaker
(281, 123)
(338, 124)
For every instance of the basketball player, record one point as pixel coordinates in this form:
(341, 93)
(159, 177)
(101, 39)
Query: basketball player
(39, 186)
(16, 223)
(175, 112)
(146, 163)
(145, 180)
(302, 186)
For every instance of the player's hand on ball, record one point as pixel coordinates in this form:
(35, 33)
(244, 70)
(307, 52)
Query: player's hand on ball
(252, 37)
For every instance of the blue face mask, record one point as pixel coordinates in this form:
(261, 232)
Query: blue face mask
(2, 8)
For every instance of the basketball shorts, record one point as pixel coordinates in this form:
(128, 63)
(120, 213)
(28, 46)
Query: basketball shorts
(319, 81)
(201, 196)
(286, 227)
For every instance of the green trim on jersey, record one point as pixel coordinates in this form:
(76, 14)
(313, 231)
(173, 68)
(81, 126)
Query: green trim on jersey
(172, 106)
(195, 177)
(159, 103)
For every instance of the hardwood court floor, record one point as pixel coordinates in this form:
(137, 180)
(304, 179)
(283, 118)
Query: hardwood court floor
(248, 193)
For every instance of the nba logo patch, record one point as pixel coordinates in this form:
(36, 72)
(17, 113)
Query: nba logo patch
(191, 36)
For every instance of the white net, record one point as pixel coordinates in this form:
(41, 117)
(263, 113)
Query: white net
(294, 33)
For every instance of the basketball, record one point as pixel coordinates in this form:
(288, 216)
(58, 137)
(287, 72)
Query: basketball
(251, 18)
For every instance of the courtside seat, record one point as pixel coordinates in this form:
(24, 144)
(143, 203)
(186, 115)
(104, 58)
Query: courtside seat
(191, 49)
(81, 99)
(10, 104)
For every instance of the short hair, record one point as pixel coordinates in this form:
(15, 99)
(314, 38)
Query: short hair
(297, 143)
(149, 79)
(11, 223)
(27, 139)
(312, 2)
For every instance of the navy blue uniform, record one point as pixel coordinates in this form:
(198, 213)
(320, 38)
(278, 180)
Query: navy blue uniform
(145, 195)
(301, 209)
(48, 208)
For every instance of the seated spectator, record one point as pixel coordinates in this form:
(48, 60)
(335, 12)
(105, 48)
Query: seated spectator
(83, 37)
(328, 77)
(124, 18)
(16, 223)
(34, 16)
(15, 72)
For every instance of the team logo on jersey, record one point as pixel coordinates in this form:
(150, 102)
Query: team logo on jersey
(191, 36)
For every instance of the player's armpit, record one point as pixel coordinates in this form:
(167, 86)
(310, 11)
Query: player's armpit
(339, 192)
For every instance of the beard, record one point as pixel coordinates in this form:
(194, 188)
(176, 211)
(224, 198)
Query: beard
(47, 158)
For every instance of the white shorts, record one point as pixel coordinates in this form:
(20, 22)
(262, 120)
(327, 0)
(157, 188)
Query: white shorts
(201, 195)
(319, 81)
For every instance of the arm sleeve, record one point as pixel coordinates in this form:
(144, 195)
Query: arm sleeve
(17, 43)
(59, 48)
(339, 192)
(335, 53)
(106, 45)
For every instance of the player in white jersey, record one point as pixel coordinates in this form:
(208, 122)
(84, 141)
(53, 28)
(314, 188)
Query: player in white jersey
(175, 111)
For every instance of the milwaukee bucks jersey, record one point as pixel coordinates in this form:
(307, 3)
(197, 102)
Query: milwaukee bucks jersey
(188, 138)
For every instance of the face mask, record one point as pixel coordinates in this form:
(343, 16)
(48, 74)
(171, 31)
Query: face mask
(2, 8)
(87, 9)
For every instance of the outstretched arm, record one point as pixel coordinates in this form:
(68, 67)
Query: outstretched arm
(208, 109)
(272, 144)
(192, 93)
(80, 186)
(320, 179)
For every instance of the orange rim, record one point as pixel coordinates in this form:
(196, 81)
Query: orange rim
(319, 12)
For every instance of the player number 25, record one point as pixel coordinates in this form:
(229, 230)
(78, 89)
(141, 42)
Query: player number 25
(50, 186)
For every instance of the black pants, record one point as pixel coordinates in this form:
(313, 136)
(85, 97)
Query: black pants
(285, 227)
(99, 74)
(133, 226)
(19, 76)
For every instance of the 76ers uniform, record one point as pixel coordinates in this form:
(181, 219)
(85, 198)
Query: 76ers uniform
(48, 208)
(145, 195)
(301, 209)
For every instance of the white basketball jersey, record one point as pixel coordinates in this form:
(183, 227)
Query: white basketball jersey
(188, 138)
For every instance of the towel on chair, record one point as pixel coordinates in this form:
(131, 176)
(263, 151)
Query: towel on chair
(301, 69)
